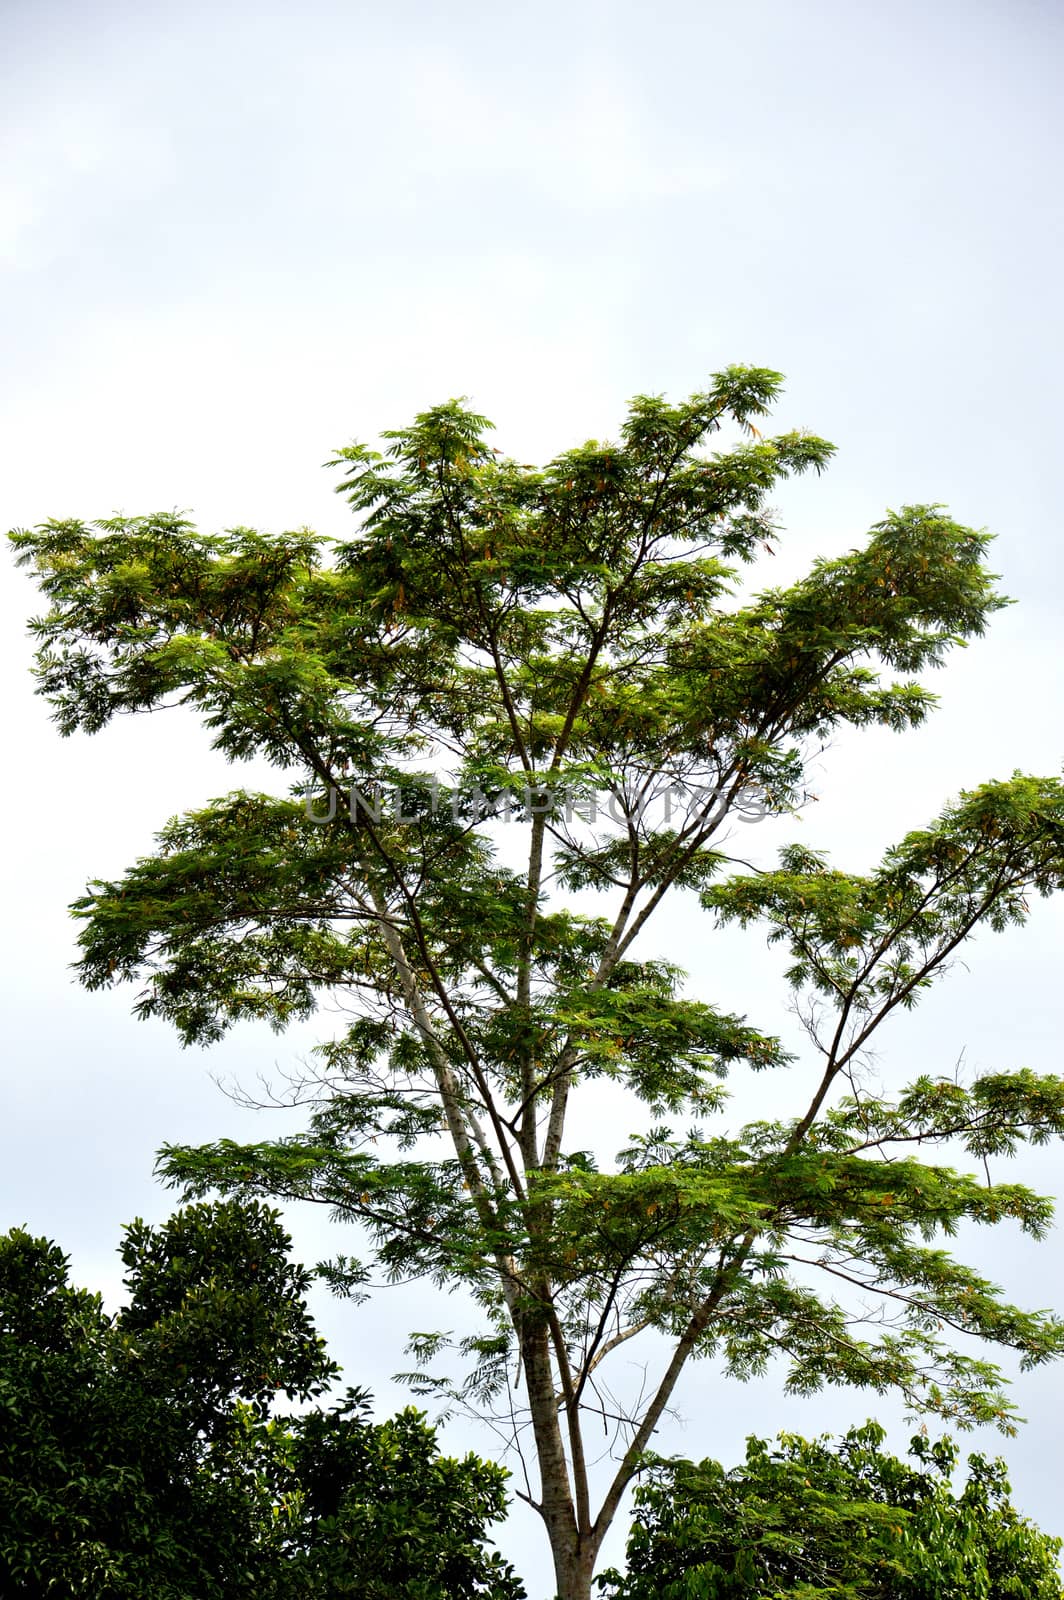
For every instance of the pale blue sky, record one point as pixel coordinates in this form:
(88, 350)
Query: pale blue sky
(232, 236)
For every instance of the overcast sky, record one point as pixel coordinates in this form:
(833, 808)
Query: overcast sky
(233, 236)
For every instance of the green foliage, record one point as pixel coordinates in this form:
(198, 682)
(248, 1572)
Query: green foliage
(121, 1455)
(380, 1513)
(803, 1520)
(214, 1299)
(138, 1455)
(567, 647)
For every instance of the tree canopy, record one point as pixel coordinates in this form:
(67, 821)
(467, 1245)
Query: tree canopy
(516, 712)
(807, 1520)
(141, 1453)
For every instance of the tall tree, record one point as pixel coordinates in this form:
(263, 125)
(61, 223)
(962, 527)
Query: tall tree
(510, 683)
